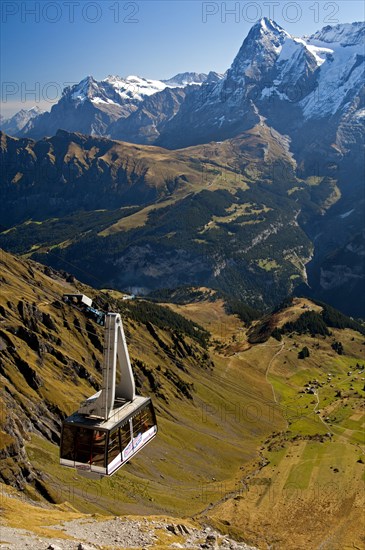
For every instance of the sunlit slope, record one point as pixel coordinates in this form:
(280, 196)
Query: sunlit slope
(266, 445)
(50, 361)
(308, 490)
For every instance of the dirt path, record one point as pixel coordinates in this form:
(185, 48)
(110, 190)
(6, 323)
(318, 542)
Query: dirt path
(251, 475)
(340, 436)
(268, 371)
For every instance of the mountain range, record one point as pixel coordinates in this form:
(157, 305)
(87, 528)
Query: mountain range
(17, 122)
(294, 82)
(267, 158)
(92, 107)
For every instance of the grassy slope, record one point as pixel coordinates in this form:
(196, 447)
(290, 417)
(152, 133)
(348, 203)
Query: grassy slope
(208, 459)
(173, 474)
(213, 166)
(311, 493)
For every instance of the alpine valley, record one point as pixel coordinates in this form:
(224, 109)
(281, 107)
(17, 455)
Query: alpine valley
(277, 405)
(248, 182)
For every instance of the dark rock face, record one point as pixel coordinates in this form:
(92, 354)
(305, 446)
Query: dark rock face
(148, 121)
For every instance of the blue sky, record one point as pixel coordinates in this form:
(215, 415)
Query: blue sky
(46, 44)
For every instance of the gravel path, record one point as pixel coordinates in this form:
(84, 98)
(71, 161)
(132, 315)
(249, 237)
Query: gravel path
(119, 533)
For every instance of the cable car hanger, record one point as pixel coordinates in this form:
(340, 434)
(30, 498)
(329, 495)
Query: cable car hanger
(112, 425)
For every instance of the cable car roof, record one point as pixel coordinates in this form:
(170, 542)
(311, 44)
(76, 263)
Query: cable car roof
(117, 416)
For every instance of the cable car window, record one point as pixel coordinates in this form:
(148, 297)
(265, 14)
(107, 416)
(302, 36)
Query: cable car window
(83, 445)
(137, 425)
(68, 442)
(98, 447)
(125, 435)
(113, 448)
(143, 421)
(147, 419)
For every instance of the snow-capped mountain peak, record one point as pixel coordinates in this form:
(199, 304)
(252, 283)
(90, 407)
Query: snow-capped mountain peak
(345, 34)
(86, 89)
(266, 29)
(114, 89)
(141, 87)
(186, 79)
(291, 81)
(267, 25)
(342, 72)
(259, 50)
(18, 121)
(133, 88)
(35, 110)
(190, 78)
(319, 72)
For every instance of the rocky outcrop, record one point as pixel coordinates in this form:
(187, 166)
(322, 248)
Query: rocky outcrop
(125, 533)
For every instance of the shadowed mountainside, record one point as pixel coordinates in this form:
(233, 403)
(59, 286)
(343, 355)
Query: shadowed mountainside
(91, 205)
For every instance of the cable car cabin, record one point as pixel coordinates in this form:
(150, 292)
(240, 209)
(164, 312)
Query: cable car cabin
(80, 300)
(84, 303)
(114, 424)
(97, 447)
